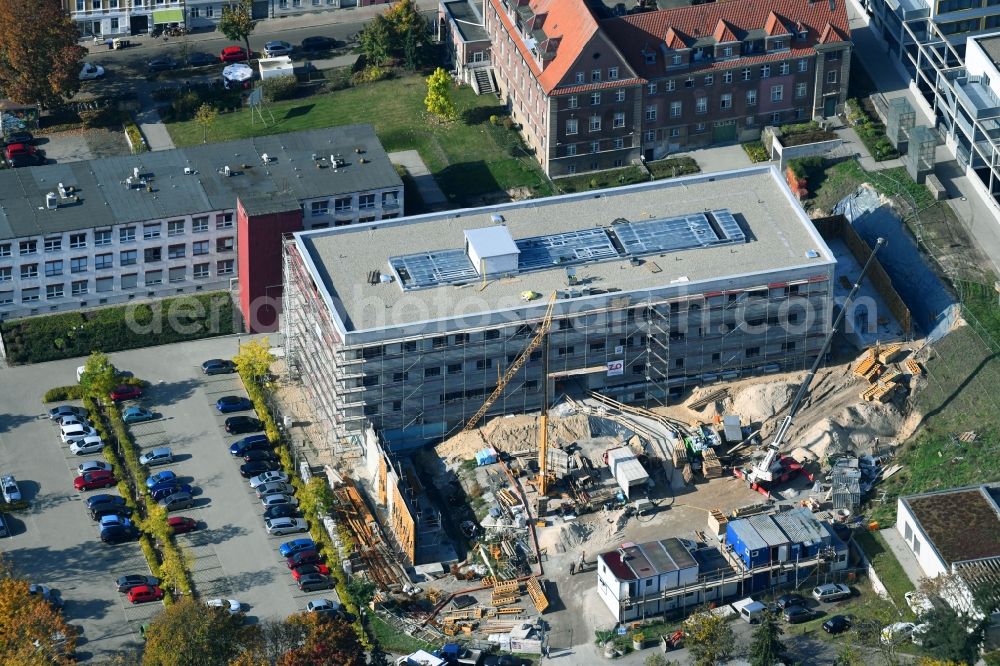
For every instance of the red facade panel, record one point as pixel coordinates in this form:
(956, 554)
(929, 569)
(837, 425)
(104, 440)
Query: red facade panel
(259, 242)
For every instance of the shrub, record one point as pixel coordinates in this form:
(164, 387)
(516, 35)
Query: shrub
(60, 393)
(494, 119)
(755, 151)
(282, 87)
(370, 74)
(508, 122)
(136, 140)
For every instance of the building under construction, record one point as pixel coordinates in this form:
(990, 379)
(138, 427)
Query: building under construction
(409, 324)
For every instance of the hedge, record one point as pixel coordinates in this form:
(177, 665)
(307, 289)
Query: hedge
(871, 132)
(61, 393)
(756, 151)
(70, 334)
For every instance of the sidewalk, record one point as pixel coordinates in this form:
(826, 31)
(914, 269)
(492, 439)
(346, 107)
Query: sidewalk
(430, 193)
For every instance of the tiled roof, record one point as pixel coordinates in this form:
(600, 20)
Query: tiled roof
(832, 33)
(724, 32)
(604, 85)
(775, 25)
(674, 40)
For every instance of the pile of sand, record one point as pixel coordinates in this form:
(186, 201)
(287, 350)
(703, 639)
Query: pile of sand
(759, 403)
(513, 434)
(853, 428)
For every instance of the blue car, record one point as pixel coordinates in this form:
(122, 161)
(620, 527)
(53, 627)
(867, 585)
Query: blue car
(168, 489)
(137, 415)
(289, 548)
(160, 477)
(251, 443)
(233, 403)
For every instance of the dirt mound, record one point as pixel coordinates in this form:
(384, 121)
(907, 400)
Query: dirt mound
(853, 428)
(760, 402)
(512, 434)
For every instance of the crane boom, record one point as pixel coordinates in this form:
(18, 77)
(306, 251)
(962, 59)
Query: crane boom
(515, 366)
(764, 469)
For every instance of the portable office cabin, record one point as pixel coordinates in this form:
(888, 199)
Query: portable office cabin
(747, 544)
(627, 470)
(804, 531)
(777, 542)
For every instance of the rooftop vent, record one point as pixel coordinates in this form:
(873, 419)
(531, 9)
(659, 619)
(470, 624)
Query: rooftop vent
(496, 218)
(812, 254)
(52, 201)
(265, 158)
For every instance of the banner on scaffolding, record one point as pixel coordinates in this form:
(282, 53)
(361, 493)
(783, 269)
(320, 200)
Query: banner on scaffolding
(616, 368)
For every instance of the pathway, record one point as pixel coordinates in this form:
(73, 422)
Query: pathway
(431, 195)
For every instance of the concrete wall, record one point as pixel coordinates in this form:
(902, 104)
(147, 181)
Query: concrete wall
(917, 541)
(784, 153)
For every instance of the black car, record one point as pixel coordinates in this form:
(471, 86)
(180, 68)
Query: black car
(101, 510)
(161, 64)
(797, 614)
(21, 136)
(260, 456)
(313, 581)
(18, 161)
(104, 498)
(126, 583)
(237, 425)
(837, 624)
(200, 59)
(258, 467)
(119, 534)
(787, 600)
(318, 43)
(218, 366)
(282, 511)
(4, 529)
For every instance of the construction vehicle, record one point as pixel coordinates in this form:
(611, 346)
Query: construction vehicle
(773, 468)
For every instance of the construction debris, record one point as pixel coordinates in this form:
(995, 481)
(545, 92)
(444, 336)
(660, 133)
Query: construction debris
(711, 468)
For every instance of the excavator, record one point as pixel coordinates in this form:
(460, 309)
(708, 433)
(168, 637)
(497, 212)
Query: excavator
(772, 468)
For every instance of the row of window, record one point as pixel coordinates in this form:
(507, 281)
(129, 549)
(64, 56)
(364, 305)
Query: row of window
(128, 281)
(345, 205)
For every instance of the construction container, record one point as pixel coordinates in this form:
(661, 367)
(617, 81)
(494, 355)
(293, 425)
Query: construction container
(731, 429)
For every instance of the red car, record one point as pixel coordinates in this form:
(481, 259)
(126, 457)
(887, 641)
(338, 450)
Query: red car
(18, 149)
(310, 569)
(182, 524)
(233, 54)
(126, 392)
(302, 557)
(144, 593)
(102, 478)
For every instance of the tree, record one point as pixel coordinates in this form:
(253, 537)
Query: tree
(658, 660)
(408, 29)
(255, 358)
(709, 638)
(848, 656)
(32, 632)
(361, 591)
(99, 377)
(376, 40)
(237, 22)
(271, 640)
(205, 117)
(329, 642)
(767, 648)
(438, 100)
(952, 636)
(188, 633)
(40, 58)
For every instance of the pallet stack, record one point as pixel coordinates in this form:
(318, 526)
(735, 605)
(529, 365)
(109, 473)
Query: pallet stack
(711, 468)
(888, 352)
(537, 595)
(865, 364)
(913, 368)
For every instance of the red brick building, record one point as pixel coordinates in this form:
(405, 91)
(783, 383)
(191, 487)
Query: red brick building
(592, 95)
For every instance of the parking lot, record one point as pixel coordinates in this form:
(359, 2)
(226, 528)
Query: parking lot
(55, 543)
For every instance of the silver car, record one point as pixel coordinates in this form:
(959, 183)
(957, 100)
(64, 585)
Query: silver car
(177, 501)
(277, 48)
(282, 526)
(159, 456)
(11, 493)
(274, 488)
(275, 500)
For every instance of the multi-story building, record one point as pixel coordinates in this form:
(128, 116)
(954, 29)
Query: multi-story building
(460, 26)
(657, 286)
(83, 234)
(124, 17)
(592, 94)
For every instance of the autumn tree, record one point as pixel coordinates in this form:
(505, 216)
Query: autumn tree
(400, 31)
(205, 117)
(255, 358)
(188, 633)
(330, 641)
(952, 636)
(32, 632)
(237, 22)
(376, 40)
(40, 59)
(99, 377)
(767, 648)
(438, 100)
(709, 638)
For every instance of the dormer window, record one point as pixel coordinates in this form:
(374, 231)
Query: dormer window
(778, 44)
(678, 59)
(803, 35)
(579, 77)
(727, 52)
(650, 57)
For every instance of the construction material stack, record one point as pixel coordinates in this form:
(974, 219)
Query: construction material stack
(711, 468)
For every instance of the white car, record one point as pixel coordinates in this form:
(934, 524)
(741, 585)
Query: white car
(918, 602)
(897, 631)
(282, 526)
(93, 466)
(232, 605)
(8, 486)
(91, 72)
(268, 477)
(279, 499)
(92, 444)
(57, 413)
(74, 433)
(322, 606)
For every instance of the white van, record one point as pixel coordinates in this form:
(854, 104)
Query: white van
(749, 610)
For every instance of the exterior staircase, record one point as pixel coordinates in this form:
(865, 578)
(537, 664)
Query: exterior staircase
(483, 81)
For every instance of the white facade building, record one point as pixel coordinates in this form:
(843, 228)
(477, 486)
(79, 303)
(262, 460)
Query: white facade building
(632, 579)
(123, 17)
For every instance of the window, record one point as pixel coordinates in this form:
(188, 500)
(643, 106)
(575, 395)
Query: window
(224, 267)
(595, 146)
(6, 273)
(4, 249)
(177, 273)
(777, 93)
(595, 75)
(595, 123)
(102, 237)
(765, 71)
(566, 351)
(127, 258)
(130, 281)
(53, 244)
(224, 221)
(7, 297)
(29, 295)
(320, 207)
(753, 352)
(126, 235)
(619, 142)
(78, 264)
(727, 51)
(151, 231)
(199, 224)
(678, 59)
(619, 95)
(776, 117)
(689, 83)
(803, 65)
(104, 284)
(152, 254)
(454, 368)
(78, 288)
(176, 251)
(175, 228)
(801, 89)
(595, 98)
(671, 86)
(649, 57)
(675, 132)
(785, 68)
(432, 372)
(572, 102)
(612, 73)
(366, 201)
(483, 364)
(54, 291)
(778, 44)
(699, 128)
(619, 119)
(749, 121)
(701, 105)
(649, 135)
(651, 112)
(675, 109)
(751, 98)
(28, 247)
(342, 205)
(727, 77)
(831, 76)
(77, 241)
(832, 55)
(579, 77)
(709, 79)
(650, 88)
(104, 261)
(571, 150)
(199, 248)
(726, 101)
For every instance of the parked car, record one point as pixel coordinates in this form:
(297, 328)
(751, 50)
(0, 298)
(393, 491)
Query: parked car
(168, 489)
(113, 519)
(46, 593)
(277, 48)
(831, 592)
(126, 583)
(233, 54)
(26, 160)
(143, 593)
(105, 509)
(12, 150)
(233, 403)
(236, 425)
(161, 455)
(9, 488)
(260, 456)
(182, 524)
(267, 477)
(302, 557)
(218, 366)
(273, 488)
(4, 528)
(321, 569)
(318, 43)
(126, 392)
(273, 500)
(200, 59)
(897, 631)
(93, 466)
(289, 548)
(136, 414)
(58, 413)
(251, 443)
(74, 433)
(74, 420)
(19, 136)
(282, 511)
(92, 480)
(177, 501)
(837, 624)
(232, 605)
(104, 498)
(918, 602)
(87, 445)
(258, 467)
(160, 477)
(323, 606)
(162, 64)
(119, 534)
(314, 582)
(89, 72)
(797, 614)
(786, 600)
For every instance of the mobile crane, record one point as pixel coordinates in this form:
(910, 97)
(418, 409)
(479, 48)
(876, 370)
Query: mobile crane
(772, 467)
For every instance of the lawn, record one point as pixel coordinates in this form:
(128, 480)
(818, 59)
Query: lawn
(469, 157)
(394, 641)
(886, 566)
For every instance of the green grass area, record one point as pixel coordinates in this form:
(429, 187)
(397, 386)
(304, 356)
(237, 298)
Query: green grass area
(469, 157)
(394, 641)
(132, 326)
(672, 167)
(595, 181)
(756, 151)
(889, 571)
(863, 606)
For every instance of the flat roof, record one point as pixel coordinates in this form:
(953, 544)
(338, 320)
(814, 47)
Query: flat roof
(800, 525)
(991, 47)
(652, 558)
(103, 199)
(747, 534)
(767, 530)
(779, 237)
(962, 524)
(468, 16)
